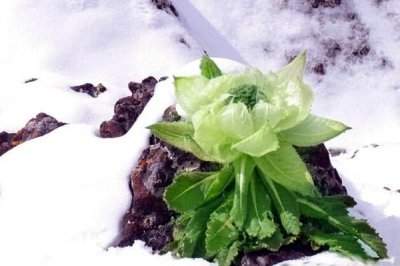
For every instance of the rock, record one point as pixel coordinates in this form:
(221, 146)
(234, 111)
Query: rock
(165, 5)
(324, 3)
(128, 109)
(35, 127)
(149, 219)
(88, 88)
(266, 258)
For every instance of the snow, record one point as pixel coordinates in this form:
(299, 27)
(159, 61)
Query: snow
(62, 195)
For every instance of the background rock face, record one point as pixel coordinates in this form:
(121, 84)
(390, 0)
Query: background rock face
(36, 127)
(149, 219)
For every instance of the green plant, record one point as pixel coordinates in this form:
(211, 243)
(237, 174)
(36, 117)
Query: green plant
(263, 197)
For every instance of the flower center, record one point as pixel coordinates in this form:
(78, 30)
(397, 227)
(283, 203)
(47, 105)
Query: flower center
(246, 94)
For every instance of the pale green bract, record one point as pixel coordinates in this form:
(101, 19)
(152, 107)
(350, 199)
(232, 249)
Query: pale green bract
(225, 129)
(263, 197)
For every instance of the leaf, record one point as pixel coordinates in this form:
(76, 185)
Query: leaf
(210, 138)
(189, 92)
(295, 99)
(336, 215)
(243, 173)
(192, 242)
(285, 167)
(180, 135)
(260, 221)
(342, 243)
(221, 231)
(294, 70)
(208, 68)
(272, 243)
(190, 190)
(285, 204)
(312, 131)
(258, 144)
(228, 254)
(235, 121)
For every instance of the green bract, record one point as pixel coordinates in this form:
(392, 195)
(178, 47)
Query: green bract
(263, 197)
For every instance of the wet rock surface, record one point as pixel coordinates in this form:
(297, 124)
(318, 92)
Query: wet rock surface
(128, 109)
(149, 219)
(90, 89)
(36, 127)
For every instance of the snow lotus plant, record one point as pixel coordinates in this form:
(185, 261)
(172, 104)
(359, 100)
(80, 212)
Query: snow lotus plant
(263, 197)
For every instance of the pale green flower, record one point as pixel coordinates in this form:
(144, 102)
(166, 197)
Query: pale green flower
(244, 112)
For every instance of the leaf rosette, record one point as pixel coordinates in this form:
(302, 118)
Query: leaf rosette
(263, 197)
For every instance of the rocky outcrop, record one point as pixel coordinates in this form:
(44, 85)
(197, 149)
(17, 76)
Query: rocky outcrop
(149, 219)
(36, 127)
(90, 89)
(128, 109)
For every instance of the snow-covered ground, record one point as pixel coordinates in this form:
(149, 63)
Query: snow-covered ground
(62, 195)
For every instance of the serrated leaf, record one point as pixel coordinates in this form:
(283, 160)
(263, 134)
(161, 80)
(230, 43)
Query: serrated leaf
(272, 243)
(191, 190)
(342, 243)
(179, 134)
(336, 215)
(243, 173)
(260, 221)
(285, 204)
(228, 254)
(313, 131)
(208, 68)
(221, 231)
(285, 167)
(191, 243)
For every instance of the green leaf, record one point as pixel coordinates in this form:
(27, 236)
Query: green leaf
(285, 167)
(221, 231)
(312, 131)
(258, 144)
(294, 70)
(342, 243)
(189, 92)
(180, 135)
(243, 173)
(208, 68)
(190, 190)
(191, 243)
(285, 204)
(226, 256)
(260, 220)
(335, 214)
(264, 113)
(272, 243)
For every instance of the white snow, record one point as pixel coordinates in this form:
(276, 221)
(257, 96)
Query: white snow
(62, 195)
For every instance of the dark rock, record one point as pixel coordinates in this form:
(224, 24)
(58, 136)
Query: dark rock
(31, 80)
(128, 109)
(325, 176)
(35, 127)
(88, 88)
(319, 69)
(165, 5)
(266, 258)
(324, 3)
